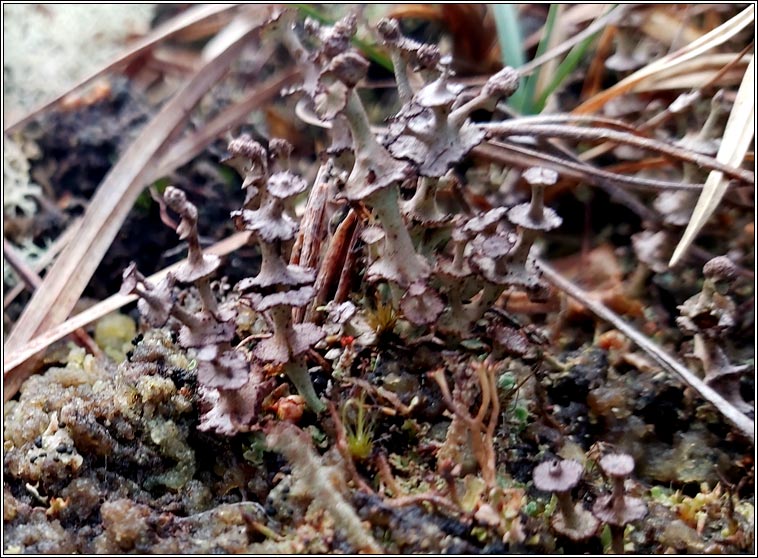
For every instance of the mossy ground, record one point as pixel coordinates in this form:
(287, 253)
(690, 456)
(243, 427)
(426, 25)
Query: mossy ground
(101, 457)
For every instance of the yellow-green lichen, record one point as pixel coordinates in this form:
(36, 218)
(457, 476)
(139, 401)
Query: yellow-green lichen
(114, 333)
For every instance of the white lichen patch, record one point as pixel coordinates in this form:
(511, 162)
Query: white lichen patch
(19, 192)
(54, 46)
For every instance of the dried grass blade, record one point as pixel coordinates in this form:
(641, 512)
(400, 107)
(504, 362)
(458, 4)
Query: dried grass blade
(664, 66)
(175, 25)
(665, 360)
(661, 117)
(33, 281)
(183, 150)
(522, 157)
(724, 69)
(738, 136)
(111, 203)
(521, 127)
(669, 29)
(12, 362)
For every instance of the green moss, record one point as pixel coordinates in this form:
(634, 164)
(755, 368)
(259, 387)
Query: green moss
(359, 427)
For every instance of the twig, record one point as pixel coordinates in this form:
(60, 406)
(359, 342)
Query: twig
(517, 127)
(33, 281)
(669, 363)
(334, 259)
(383, 393)
(589, 119)
(383, 468)
(582, 170)
(345, 281)
(307, 247)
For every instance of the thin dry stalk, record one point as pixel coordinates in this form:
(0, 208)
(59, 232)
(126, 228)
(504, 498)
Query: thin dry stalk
(385, 473)
(524, 157)
(662, 117)
(738, 136)
(666, 361)
(662, 67)
(32, 281)
(481, 434)
(519, 128)
(725, 69)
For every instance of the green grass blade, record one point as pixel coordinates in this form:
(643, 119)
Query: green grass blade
(569, 64)
(510, 40)
(528, 103)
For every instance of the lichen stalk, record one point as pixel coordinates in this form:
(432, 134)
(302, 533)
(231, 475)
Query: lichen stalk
(458, 116)
(566, 505)
(188, 319)
(272, 263)
(617, 538)
(206, 296)
(295, 367)
(297, 372)
(145, 294)
(364, 141)
(618, 493)
(398, 247)
(281, 317)
(537, 205)
(404, 90)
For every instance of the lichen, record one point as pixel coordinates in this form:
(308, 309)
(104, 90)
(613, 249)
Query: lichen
(19, 191)
(114, 333)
